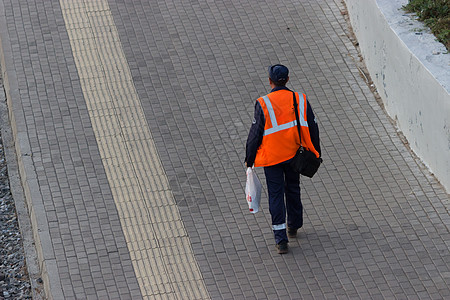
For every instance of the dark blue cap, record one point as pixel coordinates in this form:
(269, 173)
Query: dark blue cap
(278, 73)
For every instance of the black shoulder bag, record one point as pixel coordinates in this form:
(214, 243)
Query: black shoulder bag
(304, 162)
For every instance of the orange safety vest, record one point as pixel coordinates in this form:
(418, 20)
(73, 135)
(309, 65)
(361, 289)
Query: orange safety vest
(280, 140)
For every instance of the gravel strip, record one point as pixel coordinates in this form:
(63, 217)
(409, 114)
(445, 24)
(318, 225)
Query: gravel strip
(14, 279)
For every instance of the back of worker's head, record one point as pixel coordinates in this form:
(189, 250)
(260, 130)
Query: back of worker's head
(279, 74)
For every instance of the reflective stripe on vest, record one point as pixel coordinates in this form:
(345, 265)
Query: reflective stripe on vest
(273, 119)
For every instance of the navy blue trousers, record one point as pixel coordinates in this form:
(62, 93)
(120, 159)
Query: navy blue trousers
(283, 181)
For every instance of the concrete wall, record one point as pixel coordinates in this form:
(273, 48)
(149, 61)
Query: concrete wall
(412, 76)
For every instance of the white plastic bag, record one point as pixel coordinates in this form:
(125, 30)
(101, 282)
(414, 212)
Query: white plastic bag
(253, 191)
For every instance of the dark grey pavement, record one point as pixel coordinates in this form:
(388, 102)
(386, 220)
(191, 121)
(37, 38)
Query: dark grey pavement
(376, 220)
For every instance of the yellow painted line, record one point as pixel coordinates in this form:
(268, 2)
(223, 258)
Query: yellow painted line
(159, 246)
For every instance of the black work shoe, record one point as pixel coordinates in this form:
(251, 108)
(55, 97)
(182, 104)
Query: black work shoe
(282, 247)
(292, 232)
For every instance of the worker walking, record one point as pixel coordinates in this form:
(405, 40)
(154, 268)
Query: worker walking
(272, 142)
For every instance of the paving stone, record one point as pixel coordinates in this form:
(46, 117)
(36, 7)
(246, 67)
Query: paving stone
(376, 223)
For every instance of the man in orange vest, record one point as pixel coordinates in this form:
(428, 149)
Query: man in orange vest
(272, 142)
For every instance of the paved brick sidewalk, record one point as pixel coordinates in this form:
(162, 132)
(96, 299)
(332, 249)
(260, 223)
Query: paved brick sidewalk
(376, 222)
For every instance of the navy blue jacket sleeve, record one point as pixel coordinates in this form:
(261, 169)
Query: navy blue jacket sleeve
(313, 128)
(255, 135)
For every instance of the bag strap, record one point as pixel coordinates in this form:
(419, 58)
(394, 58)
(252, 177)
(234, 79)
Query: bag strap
(298, 120)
